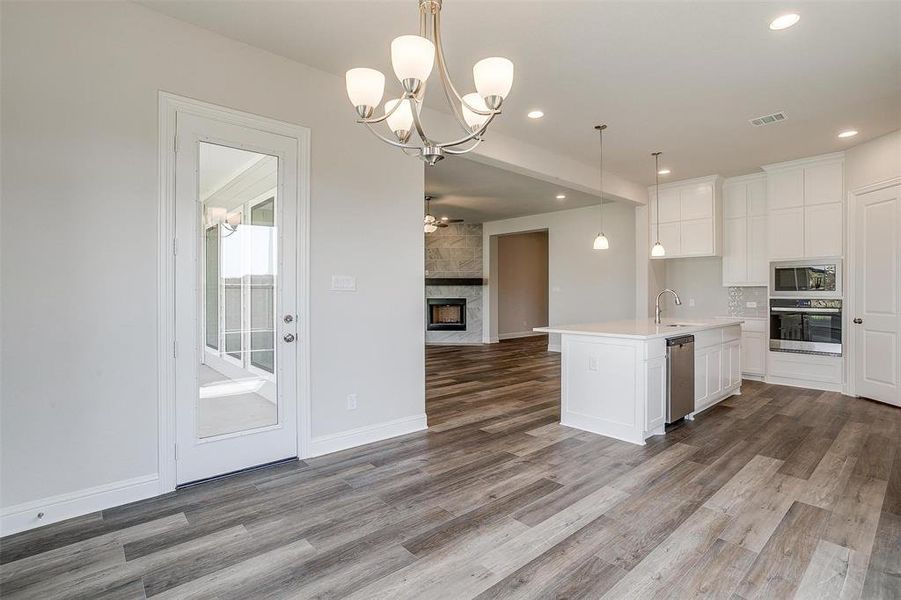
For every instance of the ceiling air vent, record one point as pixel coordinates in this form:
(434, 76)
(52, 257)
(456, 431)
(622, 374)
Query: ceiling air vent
(767, 119)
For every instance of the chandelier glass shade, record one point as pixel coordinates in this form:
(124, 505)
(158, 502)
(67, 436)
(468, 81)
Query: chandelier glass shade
(413, 58)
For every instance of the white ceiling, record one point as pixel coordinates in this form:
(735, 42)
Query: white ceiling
(475, 192)
(681, 77)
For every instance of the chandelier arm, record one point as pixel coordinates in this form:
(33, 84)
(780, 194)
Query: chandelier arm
(474, 135)
(450, 92)
(465, 150)
(387, 141)
(374, 120)
(445, 75)
(417, 123)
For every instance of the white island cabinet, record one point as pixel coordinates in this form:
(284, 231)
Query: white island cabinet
(614, 373)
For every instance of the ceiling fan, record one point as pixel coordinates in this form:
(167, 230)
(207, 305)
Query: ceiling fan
(430, 223)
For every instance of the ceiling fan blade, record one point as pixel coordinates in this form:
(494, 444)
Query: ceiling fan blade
(451, 220)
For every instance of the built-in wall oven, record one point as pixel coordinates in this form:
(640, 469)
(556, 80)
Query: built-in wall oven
(816, 278)
(806, 325)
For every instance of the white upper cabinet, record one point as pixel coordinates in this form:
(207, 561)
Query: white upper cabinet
(690, 217)
(823, 184)
(745, 257)
(785, 189)
(806, 208)
(823, 230)
(697, 201)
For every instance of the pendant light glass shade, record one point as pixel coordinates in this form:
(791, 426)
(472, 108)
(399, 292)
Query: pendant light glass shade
(493, 77)
(401, 121)
(658, 250)
(600, 242)
(412, 57)
(474, 120)
(365, 87)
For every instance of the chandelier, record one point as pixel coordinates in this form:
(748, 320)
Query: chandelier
(413, 57)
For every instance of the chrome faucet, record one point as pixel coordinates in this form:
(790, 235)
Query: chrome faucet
(675, 295)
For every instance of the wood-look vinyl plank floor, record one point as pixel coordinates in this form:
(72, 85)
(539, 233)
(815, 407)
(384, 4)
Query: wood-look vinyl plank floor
(778, 493)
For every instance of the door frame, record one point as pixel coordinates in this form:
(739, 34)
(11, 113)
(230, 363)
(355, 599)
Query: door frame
(170, 105)
(850, 283)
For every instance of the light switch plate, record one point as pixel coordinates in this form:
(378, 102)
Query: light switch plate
(343, 283)
(351, 402)
(751, 304)
(691, 301)
(592, 363)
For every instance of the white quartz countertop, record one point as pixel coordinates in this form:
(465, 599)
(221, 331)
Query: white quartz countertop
(642, 329)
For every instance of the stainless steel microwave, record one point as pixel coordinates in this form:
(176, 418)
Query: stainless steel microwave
(814, 278)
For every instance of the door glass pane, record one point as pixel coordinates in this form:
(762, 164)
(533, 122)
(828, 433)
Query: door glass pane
(237, 375)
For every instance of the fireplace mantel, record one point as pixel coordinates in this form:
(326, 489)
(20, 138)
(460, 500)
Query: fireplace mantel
(454, 281)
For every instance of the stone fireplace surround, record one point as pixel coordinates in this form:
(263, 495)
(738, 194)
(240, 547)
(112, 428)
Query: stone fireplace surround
(453, 269)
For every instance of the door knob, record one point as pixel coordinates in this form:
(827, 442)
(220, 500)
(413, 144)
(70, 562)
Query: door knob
(289, 318)
(289, 337)
(858, 321)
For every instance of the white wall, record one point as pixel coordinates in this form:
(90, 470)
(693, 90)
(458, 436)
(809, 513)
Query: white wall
(585, 284)
(873, 161)
(79, 238)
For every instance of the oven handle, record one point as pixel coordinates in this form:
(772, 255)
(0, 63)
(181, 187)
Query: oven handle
(830, 311)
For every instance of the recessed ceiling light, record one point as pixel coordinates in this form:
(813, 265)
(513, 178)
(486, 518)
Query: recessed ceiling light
(535, 114)
(664, 172)
(561, 196)
(784, 21)
(848, 133)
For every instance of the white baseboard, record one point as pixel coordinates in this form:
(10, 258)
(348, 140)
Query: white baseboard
(804, 383)
(753, 376)
(518, 334)
(554, 348)
(23, 516)
(326, 444)
(453, 343)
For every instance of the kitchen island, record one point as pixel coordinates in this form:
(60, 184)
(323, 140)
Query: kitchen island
(613, 374)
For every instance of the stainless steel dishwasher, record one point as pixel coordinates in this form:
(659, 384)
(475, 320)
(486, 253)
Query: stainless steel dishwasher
(680, 377)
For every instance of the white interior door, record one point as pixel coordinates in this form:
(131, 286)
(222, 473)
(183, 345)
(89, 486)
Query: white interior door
(236, 298)
(876, 322)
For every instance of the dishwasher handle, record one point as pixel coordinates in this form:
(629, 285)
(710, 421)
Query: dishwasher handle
(680, 341)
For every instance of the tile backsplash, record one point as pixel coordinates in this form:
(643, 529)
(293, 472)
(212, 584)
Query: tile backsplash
(739, 298)
(454, 251)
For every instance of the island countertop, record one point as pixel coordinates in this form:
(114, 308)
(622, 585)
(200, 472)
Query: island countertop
(641, 329)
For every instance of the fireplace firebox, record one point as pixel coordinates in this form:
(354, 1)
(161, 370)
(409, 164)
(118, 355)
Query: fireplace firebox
(447, 314)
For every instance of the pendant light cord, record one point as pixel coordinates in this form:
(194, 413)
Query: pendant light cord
(601, 129)
(657, 191)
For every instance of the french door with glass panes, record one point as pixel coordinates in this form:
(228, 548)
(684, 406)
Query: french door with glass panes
(236, 297)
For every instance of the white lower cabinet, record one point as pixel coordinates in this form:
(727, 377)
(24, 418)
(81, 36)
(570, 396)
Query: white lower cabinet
(717, 365)
(754, 343)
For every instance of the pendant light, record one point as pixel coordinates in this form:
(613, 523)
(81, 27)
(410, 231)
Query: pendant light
(658, 250)
(600, 242)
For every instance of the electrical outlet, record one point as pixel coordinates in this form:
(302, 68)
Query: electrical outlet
(351, 402)
(691, 301)
(592, 363)
(751, 304)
